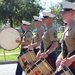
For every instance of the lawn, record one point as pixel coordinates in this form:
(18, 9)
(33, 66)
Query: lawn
(10, 55)
(60, 34)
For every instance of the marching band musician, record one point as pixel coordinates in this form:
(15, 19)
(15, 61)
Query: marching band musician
(26, 40)
(49, 40)
(68, 38)
(39, 30)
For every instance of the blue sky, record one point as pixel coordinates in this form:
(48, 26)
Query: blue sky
(52, 1)
(47, 3)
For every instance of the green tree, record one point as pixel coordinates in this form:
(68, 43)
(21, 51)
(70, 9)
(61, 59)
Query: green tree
(17, 10)
(56, 10)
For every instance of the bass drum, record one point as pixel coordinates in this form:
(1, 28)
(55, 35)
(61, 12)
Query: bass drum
(8, 37)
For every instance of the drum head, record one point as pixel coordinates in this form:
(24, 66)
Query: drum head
(8, 38)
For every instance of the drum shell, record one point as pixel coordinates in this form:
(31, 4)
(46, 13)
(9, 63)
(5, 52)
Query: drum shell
(41, 67)
(29, 58)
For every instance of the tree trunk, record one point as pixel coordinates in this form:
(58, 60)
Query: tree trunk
(11, 21)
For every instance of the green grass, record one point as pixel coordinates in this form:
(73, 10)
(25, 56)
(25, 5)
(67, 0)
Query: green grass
(1, 58)
(60, 34)
(9, 56)
(12, 57)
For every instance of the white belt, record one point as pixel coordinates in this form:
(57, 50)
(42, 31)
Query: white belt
(37, 47)
(25, 46)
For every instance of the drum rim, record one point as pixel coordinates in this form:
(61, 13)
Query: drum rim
(18, 44)
(9, 49)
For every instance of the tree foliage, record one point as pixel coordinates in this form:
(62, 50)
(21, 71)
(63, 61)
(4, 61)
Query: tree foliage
(17, 10)
(56, 10)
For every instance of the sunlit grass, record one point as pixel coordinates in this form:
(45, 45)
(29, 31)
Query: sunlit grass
(9, 55)
(60, 34)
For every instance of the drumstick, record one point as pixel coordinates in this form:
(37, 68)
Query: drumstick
(66, 66)
(60, 67)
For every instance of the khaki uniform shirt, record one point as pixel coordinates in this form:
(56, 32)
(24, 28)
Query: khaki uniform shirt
(38, 34)
(27, 36)
(49, 36)
(69, 37)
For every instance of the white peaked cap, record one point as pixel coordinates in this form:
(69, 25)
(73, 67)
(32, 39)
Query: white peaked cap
(25, 22)
(49, 14)
(68, 5)
(37, 18)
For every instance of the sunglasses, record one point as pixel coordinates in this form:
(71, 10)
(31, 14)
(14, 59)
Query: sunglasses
(45, 16)
(24, 24)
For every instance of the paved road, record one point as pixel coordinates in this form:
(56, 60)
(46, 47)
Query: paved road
(8, 69)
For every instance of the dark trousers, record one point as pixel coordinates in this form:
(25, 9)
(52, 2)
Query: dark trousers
(19, 69)
(36, 50)
(52, 59)
(72, 69)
